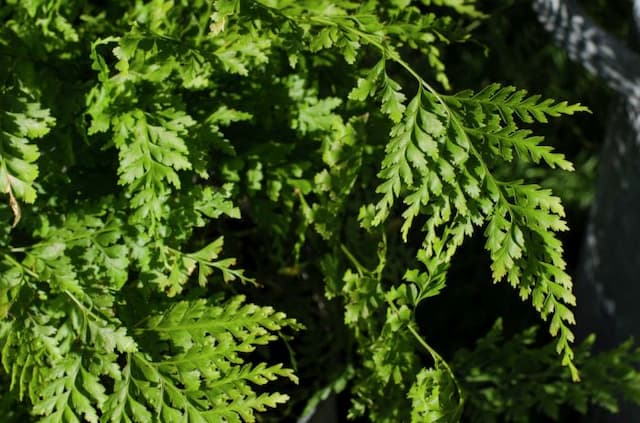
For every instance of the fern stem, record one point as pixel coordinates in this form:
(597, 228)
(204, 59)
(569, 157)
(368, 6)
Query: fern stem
(437, 358)
(386, 51)
(359, 267)
(24, 269)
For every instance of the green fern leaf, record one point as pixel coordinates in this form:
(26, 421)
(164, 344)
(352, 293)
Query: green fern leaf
(22, 120)
(433, 398)
(70, 393)
(201, 377)
(510, 102)
(392, 98)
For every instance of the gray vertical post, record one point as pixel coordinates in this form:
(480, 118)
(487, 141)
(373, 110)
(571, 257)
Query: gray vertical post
(608, 278)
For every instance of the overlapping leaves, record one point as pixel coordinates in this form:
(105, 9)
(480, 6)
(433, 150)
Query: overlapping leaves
(22, 121)
(102, 320)
(498, 392)
(197, 371)
(439, 159)
(186, 362)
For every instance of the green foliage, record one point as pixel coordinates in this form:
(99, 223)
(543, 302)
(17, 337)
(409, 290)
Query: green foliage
(22, 120)
(498, 393)
(153, 154)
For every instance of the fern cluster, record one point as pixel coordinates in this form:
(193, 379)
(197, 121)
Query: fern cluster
(176, 172)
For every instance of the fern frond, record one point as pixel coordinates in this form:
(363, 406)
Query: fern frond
(180, 266)
(70, 392)
(201, 377)
(506, 141)
(433, 397)
(22, 120)
(508, 101)
(186, 323)
(438, 160)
